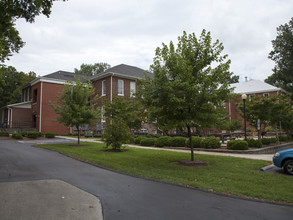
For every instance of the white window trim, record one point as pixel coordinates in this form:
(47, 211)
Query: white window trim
(266, 94)
(132, 90)
(121, 80)
(104, 88)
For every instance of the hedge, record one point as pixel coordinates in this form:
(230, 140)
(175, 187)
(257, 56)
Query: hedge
(254, 143)
(211, 143)
(177, 142)
(34, 134)
(138, 139)
(267, 141)
(163, 141)
(49, 135)
(237, 145)
(196, 142)
(17, 136)
(4, 133)
(148, 141)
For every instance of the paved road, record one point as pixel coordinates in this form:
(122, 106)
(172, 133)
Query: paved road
(126, 197)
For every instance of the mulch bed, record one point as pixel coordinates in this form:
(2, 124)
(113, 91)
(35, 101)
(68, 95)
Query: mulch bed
(194, 163)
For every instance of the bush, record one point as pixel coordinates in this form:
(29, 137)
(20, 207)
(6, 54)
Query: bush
(284, 138)
(148, 141)
(17, 136)
(254, 143)
(4, 133)
(196, 142)
(211, 143)
(177, 142)
(267, 141)
(163, 141)
(237, 145)
(49, 135)
(138, 139)
(34, 134)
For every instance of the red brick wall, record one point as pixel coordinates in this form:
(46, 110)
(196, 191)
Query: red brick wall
(21, 117)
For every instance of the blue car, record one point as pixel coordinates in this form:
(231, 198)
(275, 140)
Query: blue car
(284, 158)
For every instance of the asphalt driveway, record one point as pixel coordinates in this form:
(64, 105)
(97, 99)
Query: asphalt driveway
(127, 197)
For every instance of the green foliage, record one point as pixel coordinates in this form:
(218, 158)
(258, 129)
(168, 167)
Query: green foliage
(34, 134)
(77, 105)
(163, 141)
(190, 83)
(138, 139)
(177, 142)
(49, 135)
(196, 141)
(116, 133)
(4, 134)
(211, 143)
(11, 82)
(148, 141)
(17, 136)
(237, 145)
(92, 69)
(11, 10)
(284, 138)
(252, 143)
(282, 54)
(267, 141)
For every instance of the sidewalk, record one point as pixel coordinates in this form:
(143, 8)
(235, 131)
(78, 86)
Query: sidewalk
(267, 157)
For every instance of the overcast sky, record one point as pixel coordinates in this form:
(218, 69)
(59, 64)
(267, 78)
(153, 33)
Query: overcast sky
(129, 31)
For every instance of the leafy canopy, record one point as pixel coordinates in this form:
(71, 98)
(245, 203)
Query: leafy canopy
(282, 54)
(92, 69)
(11, 10)
(190, 84)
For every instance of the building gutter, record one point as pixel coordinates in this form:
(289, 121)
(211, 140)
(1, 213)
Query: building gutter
(41, 105)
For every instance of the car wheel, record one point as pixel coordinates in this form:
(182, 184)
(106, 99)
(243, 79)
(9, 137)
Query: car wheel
(288, 167)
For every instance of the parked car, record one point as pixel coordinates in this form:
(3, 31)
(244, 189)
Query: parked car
(284, 158)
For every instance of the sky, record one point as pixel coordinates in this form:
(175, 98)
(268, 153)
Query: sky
(129, 31)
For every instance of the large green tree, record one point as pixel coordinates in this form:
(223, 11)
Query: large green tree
(11, 10)
(77, 105)
(282, 54)
(92, 69)
(190, 83)
(11, 82)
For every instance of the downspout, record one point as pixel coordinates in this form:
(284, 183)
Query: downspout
(41, 103)
(111, 93)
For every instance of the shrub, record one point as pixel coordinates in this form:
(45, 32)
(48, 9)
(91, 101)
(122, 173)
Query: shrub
(196, 142)
(266, 141)
(49, 135)
(163, 141)
(34, 134)
(4, 133)
(237, 145)
(211, 143)
(283, 138)
(177, 142)
(148, 141)
(138, 139)
(24, 133)
(254, 143)
(17, 136)
(97, 135)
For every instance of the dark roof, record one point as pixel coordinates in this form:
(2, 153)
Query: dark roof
(67, 76)
(126, 70)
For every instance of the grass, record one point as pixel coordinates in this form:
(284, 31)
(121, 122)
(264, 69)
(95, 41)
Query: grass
(230, 175)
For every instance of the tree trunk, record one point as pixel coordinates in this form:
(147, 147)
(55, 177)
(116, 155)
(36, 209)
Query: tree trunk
(78, 138)
(190, 142)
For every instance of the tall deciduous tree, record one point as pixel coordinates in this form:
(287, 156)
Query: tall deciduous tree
(11, 10)
(92, 69)
(190, 84)
(11, 82)
(77, 105)
(282, 54)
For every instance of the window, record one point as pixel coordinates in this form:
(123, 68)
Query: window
(266, 94)
(103, 119)
(103, 87)
(250, 97)
(35, 95)
(120, 87)
(132, 89)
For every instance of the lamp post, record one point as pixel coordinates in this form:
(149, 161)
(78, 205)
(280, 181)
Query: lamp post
(244, 97)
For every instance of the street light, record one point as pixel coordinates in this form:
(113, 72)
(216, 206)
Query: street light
(244, 97)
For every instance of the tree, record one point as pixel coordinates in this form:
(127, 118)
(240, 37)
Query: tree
(77, 105)
(190, 82)
(92, 69)
(11, 10)
(122, 114)
(11, 82)
(282, 54)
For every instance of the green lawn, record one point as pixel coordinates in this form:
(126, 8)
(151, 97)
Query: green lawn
(229, 175)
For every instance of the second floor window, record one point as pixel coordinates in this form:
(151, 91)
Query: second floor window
(120, 87)
(35, 95)
(132, 89)
(103, 87)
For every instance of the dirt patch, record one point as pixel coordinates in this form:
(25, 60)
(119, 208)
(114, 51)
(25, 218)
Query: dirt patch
(114, 150)
(5, 138)
(77, 145)
(195, 163)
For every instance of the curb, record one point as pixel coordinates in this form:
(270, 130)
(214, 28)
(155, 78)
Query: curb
(267, 167)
